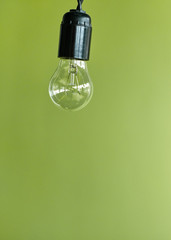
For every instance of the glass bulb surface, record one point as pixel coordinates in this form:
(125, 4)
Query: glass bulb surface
(70, 87)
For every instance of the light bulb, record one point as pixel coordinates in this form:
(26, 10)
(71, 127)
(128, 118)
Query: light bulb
(70, 87)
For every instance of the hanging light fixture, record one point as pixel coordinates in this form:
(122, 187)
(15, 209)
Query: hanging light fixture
(70, 87)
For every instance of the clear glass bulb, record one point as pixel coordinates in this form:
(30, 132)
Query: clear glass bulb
(70, 87)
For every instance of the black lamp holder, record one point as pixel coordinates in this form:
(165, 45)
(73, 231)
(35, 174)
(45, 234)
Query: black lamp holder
(75, 34)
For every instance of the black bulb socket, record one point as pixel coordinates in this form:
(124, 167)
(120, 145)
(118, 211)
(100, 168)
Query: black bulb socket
(75, 36)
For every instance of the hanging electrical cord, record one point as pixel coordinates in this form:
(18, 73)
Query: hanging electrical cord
(79, 7)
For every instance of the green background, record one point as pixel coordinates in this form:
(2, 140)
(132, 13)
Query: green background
(103, 172)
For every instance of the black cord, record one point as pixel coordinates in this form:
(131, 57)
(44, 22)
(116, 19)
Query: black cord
(79, 7)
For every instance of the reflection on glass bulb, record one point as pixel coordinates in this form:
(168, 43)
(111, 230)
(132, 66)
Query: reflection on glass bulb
(71, 87)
